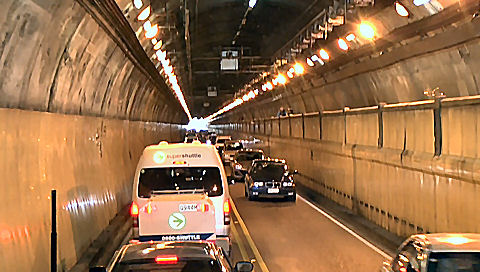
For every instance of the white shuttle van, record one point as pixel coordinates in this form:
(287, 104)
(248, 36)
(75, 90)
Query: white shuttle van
(192, 177)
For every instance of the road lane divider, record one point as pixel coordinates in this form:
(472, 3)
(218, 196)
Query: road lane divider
(241, 245)
(250, 242)
(354, 234)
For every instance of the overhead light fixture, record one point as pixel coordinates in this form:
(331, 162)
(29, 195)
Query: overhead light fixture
(152, 32)
(144, 14)
(255, 91)
(245, 98)
(401, 9)
(252, 3)
(289, 74)
(420, 2)
(269, 86)
(350, 37)
(154, 41)
(310, 62)
(281, 79)
(251, 95)
(324, 54)
(147, 25)
(342, 44)
(158, 45)
(367, 30)
(274, 81)
(138, 4)
(264, 87)
(298, 68)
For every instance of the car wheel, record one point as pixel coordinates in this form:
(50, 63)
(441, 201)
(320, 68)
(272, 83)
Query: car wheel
(292, 198)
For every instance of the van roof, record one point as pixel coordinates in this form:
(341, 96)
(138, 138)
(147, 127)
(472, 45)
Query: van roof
(165, 145)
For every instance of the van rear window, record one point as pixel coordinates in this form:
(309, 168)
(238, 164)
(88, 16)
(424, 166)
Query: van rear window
(171, 179)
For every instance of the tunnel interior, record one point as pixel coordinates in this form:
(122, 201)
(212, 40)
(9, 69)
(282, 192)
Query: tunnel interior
(386, 127)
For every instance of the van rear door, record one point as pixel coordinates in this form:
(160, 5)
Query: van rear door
(177, 217)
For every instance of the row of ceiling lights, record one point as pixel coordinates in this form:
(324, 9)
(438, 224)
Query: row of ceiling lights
(366, 30)
(151, 31)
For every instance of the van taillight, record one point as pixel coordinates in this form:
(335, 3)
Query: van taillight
(204, 207)
(134, 210)
(226, 212)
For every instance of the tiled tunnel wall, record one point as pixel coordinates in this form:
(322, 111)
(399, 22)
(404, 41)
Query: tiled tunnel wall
(402, 186)
(75, 113)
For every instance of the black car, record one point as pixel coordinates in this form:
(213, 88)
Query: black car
(242, 162)
(172, 256)
(271, 179)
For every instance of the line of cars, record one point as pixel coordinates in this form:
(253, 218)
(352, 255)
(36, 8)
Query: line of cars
(181, 213)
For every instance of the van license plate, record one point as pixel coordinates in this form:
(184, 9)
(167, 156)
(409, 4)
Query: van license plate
(187, 207)
(273, 190)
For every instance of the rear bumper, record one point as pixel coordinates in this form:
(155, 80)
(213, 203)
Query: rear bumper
(224, 242)
(263, 192)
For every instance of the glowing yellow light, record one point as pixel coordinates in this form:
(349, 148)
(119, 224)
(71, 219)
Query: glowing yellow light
(290, 74)
(269, 86)
(323, 54)
(245, 98)
(350, 37)
(310, 62)
(251, 95)
(298, 68)
(168, 69)
(281, 79)
(144, 14)
(154, 41)
(147, 25)
(367, 30)
(152, 32)
(264, 87)
(138, 4)
(401, 10)
(274, 81)
(342, 44)
(158, 45)
(455, 240)
(255, 91)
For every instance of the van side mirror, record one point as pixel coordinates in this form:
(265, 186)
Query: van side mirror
(243, 267)
(97, 269)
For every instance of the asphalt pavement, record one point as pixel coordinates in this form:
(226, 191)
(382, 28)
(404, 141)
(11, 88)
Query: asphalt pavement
(299, 236)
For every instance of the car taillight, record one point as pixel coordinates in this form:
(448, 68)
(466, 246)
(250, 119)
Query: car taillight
(166, 259)
(134, 210)
(204, 207)
(226, 212)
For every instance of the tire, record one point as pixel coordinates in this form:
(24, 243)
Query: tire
(292, 198)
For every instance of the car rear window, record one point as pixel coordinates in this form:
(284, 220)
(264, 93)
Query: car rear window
(454, 261)
(234, 146)
(268, 170)
(171, 179)
(248, 156)
(182, 266)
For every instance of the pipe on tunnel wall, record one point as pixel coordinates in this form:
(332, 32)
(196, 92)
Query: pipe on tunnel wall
(402, 183)
(90, 161)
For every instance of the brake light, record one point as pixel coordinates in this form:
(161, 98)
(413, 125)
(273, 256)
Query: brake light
(226, 212)
(166, 259)
(149, 208)
(134, 210)
(204, 207)
(226, 206)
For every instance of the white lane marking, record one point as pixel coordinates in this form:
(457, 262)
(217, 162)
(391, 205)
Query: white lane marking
(354, 234)
(259, 258)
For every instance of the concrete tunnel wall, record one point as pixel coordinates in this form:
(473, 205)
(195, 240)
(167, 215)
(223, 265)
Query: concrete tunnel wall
(75, 114)
(405, 182)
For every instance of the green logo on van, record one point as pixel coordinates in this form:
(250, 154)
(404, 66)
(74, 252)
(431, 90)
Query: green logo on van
(177, 221)
(159, 157)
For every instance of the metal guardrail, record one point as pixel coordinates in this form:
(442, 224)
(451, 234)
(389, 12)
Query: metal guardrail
(435, 105)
